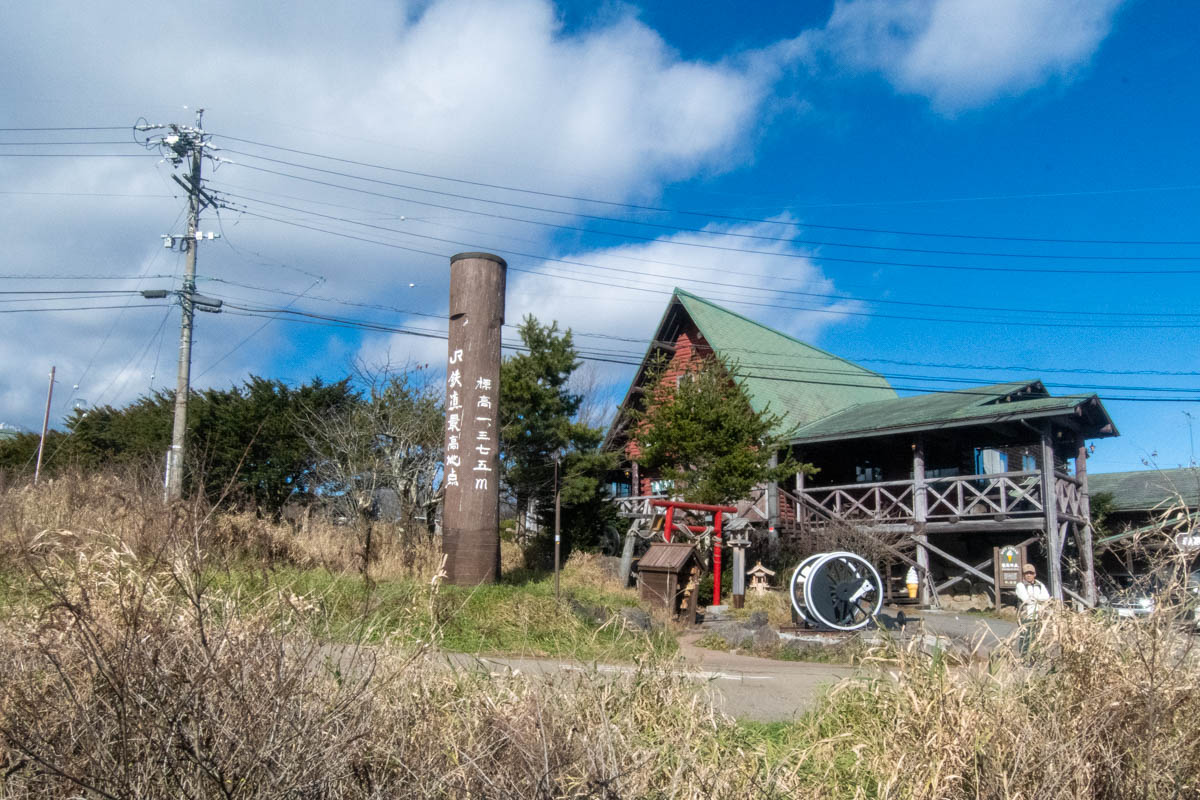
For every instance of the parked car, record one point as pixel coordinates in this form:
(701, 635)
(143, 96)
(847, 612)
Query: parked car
(1130, 597)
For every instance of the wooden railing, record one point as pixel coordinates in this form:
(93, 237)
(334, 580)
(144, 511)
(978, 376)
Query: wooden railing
(1068, 495)
(888, 500)
(637, 505)
(998, 495)
(1008, 494)
(1005, 494)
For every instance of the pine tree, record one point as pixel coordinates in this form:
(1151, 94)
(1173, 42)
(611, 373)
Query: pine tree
(704, 435)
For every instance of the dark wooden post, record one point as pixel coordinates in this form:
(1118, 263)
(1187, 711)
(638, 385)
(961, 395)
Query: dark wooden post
(1085, 529)
(1050, 503)
(801, 511)
(471, 508)
(920, 516)
(773, 508)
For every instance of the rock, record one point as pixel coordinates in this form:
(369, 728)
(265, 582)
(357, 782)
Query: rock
(756, 620)
(735, 634)
(765, 637)
(595, 614)
(637, 618)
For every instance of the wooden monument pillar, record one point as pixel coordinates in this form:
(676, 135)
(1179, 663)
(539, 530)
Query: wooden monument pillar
(471, 508)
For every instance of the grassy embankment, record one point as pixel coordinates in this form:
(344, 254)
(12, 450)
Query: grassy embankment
(130, 671)
(252, 562)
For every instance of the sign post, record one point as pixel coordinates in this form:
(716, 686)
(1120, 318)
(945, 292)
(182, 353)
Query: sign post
(1007, 562)
(471, 477)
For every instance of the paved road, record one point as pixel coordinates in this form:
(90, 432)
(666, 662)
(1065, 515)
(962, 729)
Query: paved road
(969, 631)
(745, 687)
(764, 689)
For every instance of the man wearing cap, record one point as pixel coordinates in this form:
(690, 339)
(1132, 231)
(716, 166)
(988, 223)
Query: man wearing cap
(1033, 596)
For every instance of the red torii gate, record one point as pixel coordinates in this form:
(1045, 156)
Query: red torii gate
(716, 511)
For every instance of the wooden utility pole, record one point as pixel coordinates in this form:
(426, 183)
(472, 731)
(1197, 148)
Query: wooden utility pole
(1084, 529)
(557, 526)
(920, 519)
(37, 470)
(471, 478)
(1054, 542)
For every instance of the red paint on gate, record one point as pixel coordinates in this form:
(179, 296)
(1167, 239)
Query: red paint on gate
(716, 511)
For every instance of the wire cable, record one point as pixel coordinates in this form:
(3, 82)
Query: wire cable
(810, 257)
(730, 218)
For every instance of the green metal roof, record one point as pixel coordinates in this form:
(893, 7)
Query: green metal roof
(977, 405)
(1148, 489)
(796, 381)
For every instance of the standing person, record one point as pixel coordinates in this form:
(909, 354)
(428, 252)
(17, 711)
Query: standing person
(1033, 596)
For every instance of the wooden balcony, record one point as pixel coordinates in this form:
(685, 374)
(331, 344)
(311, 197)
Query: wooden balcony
(1014, 500)
(1006, 499)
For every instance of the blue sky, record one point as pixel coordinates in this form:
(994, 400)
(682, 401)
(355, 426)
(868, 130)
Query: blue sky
(1011, 121)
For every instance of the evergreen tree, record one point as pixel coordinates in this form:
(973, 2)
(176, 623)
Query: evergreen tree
(245, 443)
(538, 421)
(704, 435)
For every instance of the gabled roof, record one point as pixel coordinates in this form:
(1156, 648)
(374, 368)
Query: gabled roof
(999, 402)
(792, 379)
(795, 381)
(1148, 489)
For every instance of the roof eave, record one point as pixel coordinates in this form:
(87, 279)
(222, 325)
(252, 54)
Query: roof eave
(868, 433)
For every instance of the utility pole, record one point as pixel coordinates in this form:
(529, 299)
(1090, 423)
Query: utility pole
(557, 524)
(184, 144)
(37, 470)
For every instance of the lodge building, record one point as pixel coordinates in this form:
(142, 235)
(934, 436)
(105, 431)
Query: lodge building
(945, 477)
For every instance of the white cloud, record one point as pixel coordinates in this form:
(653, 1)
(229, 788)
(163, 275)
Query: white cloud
(597, 298)
(964, 53)
(490, 91)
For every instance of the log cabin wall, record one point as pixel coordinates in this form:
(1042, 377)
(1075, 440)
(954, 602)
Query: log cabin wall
(690, 350)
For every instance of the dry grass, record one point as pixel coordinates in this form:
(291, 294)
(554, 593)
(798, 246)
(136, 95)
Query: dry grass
(134, 684)
(129, 509)
(1106, 711)
(125, 675)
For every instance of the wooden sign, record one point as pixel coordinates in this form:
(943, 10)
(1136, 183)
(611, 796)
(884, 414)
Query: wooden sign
(1007, 562)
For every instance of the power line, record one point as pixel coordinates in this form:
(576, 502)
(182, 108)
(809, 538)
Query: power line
(810, 257)
(717, 233)
(634, 358)
(730, 218)
(642, 340)
(70, 291)
(702, 231)
(28, 276)
(256, 331)
(86, 194)
(76, 308)
(77, 155)
(76, 128)
(324, 320)
(58, 143)
(826, 296)
(130, 362)
(573, 277)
